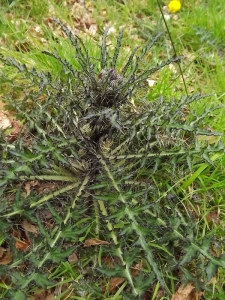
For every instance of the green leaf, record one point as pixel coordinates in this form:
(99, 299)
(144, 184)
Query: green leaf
(117, 271)
(190, 253)
(104, 53)
(211, 270)
(42, 280)
(27, 156)
(117, 49)
(19, 200)
(55, 214)
(144, 281)
(18, 295)
(21, 280)
(58, 254)
(73, 231)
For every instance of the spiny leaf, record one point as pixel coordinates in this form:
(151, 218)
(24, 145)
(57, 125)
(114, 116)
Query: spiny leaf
(211, 270)
(149, 45)
(67, 66)
(41, 280)
(129, 63)
(144, 281)
(104, 53)
(73, 41)
(57, 255)
(117, 49)
(18, 295)
(98, 165)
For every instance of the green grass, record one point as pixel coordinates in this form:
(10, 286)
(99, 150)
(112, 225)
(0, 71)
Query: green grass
(26, 29)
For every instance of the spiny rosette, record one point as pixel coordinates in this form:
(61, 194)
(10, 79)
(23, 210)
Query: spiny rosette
(108, 92)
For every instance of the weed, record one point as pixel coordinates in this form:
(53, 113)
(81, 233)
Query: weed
(96, 166)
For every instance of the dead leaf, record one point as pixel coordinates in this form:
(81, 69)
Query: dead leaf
(151, 82)
(198, 295)
(213, 216)
(166, 16)
(2, 251)
(93, 29)
(31, 184)
(109, 261)
(39, 294)
(27, 188)
(94, 242)
(4, 120)
(112, 30)
(136, 269)
(5, 279)
(172, 68)
(45, 214)
(16, 128)
(29, 227)
(50, 297)
(186, 293)
(73, 258)
(21, 245)
(46, 187)
(115, 283)
(6, 259)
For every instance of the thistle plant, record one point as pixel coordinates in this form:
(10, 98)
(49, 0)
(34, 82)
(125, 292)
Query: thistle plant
(112, 162)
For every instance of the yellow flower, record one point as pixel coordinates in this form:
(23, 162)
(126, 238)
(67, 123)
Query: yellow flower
(174, 6)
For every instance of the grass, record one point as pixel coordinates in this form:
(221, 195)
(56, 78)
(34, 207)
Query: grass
(197, 33)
